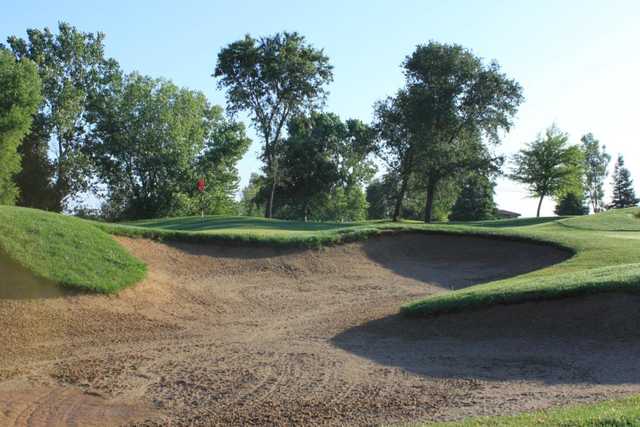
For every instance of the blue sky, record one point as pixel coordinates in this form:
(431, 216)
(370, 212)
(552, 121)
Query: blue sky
(578, 61)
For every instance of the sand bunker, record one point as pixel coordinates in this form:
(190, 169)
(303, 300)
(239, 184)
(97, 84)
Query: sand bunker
(248, 335)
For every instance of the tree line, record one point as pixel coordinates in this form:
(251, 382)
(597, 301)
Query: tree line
(72, 123)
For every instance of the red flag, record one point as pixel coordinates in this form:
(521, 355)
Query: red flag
(201, 185)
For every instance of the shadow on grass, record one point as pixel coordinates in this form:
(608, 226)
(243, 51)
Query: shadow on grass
(18, 283)
(590, 340)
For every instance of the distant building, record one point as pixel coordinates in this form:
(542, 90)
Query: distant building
(503, 214)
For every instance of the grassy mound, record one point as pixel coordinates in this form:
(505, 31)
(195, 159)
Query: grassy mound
(66, 250)
(238, 224)
(605, 258)
(613, 220)
(246, 230)
(603, 261)
(622, 412)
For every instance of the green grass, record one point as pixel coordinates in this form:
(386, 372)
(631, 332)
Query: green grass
(66, 250)
(622, 412)
(239, 224)
(613, 220)
(606, 251)
(234, 229)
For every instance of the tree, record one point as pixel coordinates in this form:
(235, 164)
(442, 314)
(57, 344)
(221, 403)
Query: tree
(153, 141)
(596, 162)
(20, 96)
(549, 166)
(73, 70)
(624, 195)
(273, 78)
(456, 105)
(325, 163)
(475, 201)
(381, 197)
(308, 170)
(250, 204)
(572, 203)
(396, 147)
(33, 179)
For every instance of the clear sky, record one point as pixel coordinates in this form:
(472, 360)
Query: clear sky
(578, 61)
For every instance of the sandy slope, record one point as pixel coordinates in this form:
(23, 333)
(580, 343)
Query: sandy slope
(247, 335)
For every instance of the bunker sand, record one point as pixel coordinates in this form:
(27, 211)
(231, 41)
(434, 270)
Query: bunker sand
(256, 335)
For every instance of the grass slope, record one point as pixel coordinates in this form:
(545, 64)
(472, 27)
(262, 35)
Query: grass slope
(66, 250)
(613, 220)
(239, 224)
(606, 250)
(246, 230)
(622, 412)
(604, 261)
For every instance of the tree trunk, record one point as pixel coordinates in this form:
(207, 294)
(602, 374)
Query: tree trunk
(398, 206)
(428, 209)
(60, 183)
(539, 206)
(272, 192)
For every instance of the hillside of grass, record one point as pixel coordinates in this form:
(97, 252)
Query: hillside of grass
(621, 412)
(234, 224)
(603, 261)
(67, 251)
(613, 220)
(249, 230)
(606, 250)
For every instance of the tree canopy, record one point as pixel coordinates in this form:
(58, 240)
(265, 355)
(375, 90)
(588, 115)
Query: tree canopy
(324, 164)
(454, 106)
(153, 141)
(549, 166)
(596, 162)
(273, 79)
(624, 195)
(572, 203)
(73, 69)
(475, 201)
(21, 96)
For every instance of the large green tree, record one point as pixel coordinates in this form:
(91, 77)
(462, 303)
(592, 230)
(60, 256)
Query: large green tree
(325, 164)
(455, 106)
(73, 69)
(396, 146)
(250, 202)
(624, 196)
(153, 141)
(549, 166)
(380, 195)
(475, 201)
(596, 162)
(20, 96)
(273, 79)
(34, 178)
(572, 203)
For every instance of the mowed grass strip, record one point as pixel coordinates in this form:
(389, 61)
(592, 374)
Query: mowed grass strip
(246, 230)
(619, 413)
(613, 220)
(66, 250)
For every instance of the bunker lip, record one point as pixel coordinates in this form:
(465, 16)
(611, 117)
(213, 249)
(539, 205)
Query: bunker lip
(19, 283)
(267, 336)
